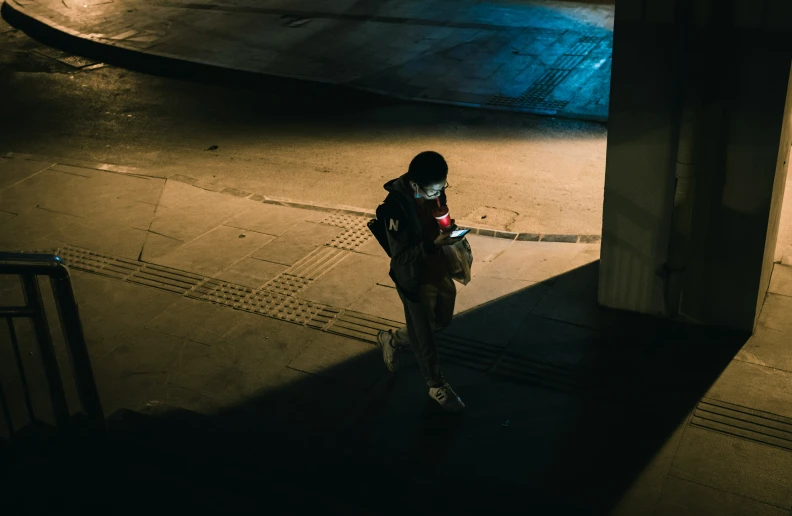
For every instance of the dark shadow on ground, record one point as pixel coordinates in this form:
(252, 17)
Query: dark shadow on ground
(567, 432)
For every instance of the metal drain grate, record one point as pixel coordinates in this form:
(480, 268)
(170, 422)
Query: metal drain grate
(474, 355)
(360, 326)
(746, 423)
(65, 58)
(542, 373)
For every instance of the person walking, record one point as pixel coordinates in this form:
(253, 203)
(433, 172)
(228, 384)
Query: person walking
(419, 270)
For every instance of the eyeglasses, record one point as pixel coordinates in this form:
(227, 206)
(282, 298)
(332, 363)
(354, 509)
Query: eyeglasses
(430, 193)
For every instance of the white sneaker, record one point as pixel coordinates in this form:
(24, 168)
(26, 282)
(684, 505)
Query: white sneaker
(447, 398)
(389, 351)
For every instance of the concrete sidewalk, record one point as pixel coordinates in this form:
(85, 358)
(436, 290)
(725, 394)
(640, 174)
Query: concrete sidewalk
(261, 315)
(551, 58)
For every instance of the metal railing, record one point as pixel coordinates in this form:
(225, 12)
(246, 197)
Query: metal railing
(28, 267)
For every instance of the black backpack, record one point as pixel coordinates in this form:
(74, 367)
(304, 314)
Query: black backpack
(377, 228)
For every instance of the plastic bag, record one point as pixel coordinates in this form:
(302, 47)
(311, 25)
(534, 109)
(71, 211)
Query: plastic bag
(459, 258)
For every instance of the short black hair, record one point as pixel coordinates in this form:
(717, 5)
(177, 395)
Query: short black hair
(427, 167)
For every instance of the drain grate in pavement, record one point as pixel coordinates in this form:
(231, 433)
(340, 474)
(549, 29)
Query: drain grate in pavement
(474, 355)
(743, 422)
(531, 370)
(65, 58)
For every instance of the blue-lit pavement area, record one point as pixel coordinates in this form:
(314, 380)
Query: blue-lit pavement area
(550, 58)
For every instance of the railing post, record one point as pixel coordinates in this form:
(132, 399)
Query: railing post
(75, 340)
(21, 367)
(60, 407)
(6, 412)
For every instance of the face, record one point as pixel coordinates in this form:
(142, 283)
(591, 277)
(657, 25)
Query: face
(430, 191)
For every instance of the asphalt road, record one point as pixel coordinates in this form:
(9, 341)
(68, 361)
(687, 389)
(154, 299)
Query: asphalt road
(302, 142)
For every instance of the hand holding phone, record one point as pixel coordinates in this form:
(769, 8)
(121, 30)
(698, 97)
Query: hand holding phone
(450, 238)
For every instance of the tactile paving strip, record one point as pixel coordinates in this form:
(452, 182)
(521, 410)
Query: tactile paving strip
(743, 422)
(300, 275)
(351, 239)
(548, 374)
(474, 355)
(256, 301)
(534, 97)
(344, 220)
(97, 263)
(165, 278)
(360, 326)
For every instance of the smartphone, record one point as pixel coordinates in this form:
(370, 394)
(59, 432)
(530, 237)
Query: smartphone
(459, 233)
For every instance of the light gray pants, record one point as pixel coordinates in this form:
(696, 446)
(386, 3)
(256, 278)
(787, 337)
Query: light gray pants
(431, 313)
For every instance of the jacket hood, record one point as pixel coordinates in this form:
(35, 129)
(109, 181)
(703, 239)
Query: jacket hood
(401, 185)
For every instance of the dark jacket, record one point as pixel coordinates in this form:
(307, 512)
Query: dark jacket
(408, 249)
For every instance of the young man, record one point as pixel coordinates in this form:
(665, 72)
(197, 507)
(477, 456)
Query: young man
(419, 270)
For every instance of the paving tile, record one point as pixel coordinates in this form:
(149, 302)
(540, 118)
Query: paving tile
(775, 313)
(642, 495)
(251, 272)
(213, 251)
(156, 245)
(373, 248)
(683, 498)
(781, 280)
(347, 361)
(754, 386)
(486, 249)
(248, 362)
(274, 220)
(572, 298)
(768, 347)
(483, 289)
(32, 230)
(532, 261)
(348, 282)
(127, 375)
(52, 190)
(297, 243)
(196, 320)
(15, 170)
(104, 302)
(497, 322)
(381, 302)
(734, 465)
(96, 235)
(186, 212)
(556, 340)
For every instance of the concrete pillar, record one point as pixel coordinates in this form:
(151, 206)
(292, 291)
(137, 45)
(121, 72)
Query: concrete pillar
(740, 164)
